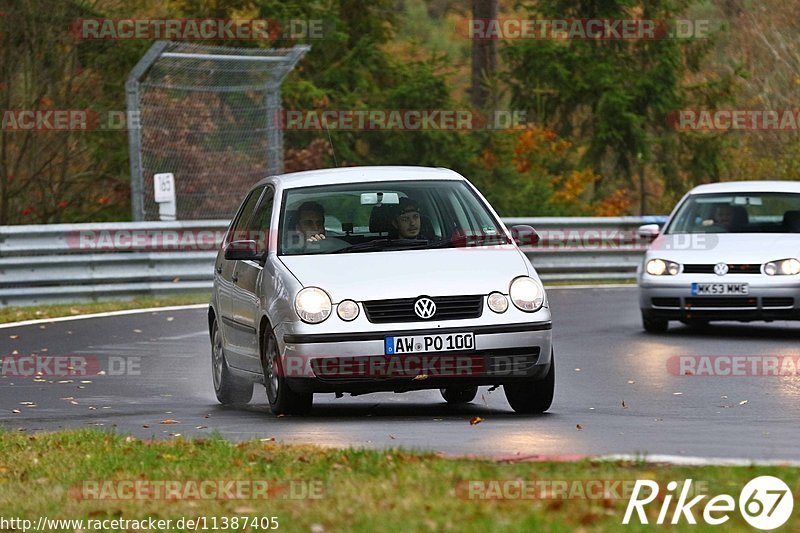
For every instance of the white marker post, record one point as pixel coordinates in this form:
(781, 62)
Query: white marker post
(164, 189)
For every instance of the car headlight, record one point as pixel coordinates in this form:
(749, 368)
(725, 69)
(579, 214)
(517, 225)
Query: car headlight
(784, 267)
(526, 294)
(312, 305)
(659, 267)
(497, 302)
(347, 310)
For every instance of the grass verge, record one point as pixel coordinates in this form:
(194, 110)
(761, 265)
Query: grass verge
(62, 475)
(16, 314)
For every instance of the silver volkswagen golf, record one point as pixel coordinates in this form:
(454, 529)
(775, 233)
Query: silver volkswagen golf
(366, 279)
(729, 251)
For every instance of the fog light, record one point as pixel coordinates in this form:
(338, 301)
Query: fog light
(347, 310)
(497, 302)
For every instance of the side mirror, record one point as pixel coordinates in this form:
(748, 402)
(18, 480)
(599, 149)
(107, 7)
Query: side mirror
(242, 251)
(649, 231)
(524, 235)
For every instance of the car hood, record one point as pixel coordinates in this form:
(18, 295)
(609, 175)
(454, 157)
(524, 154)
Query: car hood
(410, 273)
(733, 248)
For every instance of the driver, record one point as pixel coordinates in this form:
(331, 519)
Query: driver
(309, 231)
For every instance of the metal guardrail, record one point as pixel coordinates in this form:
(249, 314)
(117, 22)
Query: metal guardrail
(64, 263)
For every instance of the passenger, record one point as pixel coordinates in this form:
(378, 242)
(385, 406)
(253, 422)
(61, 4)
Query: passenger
(407, 222)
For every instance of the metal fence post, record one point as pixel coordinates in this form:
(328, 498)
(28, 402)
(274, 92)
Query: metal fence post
(134, 127)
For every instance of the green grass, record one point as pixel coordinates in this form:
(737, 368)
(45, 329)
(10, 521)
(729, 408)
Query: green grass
(16, 314)
(393, 490)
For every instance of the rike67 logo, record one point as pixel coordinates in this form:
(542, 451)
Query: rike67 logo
(765, 503)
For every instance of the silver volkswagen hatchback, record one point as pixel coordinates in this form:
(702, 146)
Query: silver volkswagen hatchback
(729, 251)
(367, 279)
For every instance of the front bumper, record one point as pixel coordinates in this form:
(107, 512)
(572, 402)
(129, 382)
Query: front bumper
(355, 362)
(673, 300)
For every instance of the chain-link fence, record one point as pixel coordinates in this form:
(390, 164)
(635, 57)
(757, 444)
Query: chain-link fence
(210, 116)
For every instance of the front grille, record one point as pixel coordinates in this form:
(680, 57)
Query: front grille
(715, 303)
(667, 302)
(732, 269)
(777, 302)
(402, 309)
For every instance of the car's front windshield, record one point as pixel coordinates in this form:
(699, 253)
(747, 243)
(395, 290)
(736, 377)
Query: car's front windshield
(385, 216)
(750, 212)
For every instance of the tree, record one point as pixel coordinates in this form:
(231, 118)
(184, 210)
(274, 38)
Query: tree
(613, 97)
(484, 54)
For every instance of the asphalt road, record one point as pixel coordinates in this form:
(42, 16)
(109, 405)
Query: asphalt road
(615, 392)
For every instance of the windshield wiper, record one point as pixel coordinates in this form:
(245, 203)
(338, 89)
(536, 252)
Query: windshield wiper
(378, 244)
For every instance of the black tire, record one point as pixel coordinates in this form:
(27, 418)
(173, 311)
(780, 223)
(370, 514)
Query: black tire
(282, 399)
(457, 395)
(533, 396)
(230, 389)
(654, 325)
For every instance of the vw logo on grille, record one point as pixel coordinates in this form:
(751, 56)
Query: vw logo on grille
(425, 307)
(720, 269)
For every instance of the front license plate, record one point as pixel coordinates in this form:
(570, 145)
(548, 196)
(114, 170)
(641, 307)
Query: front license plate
(719, 289)
(430, 343)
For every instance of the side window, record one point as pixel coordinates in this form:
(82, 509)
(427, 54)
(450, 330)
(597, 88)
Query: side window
(239, 227)
(260, 222)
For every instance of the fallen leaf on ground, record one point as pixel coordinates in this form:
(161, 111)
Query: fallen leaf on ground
(421, 377)
(623, 405)
(392, 436)
(578, 427)
(169, 421)
(743, 402)
(475, 420)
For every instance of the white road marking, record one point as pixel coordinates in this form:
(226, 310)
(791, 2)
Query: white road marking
(101, 315)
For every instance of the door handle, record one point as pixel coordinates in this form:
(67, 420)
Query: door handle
(235, 277)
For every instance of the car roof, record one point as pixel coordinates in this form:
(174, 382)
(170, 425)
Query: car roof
(329, 176)
(747, 186)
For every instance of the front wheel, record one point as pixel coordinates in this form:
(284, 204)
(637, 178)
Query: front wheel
(229, 388)
(457, 395)
(282, 399)
(533, 396)
(654, 325)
